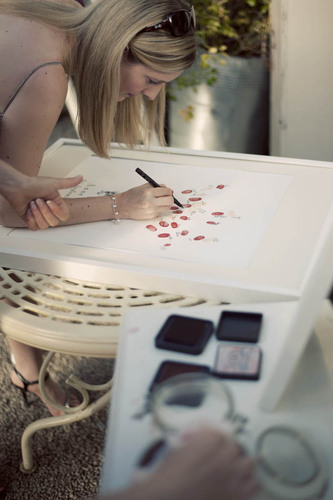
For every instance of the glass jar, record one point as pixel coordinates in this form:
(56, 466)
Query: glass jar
(186, 401)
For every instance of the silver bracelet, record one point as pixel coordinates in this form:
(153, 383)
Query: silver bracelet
(116, 219)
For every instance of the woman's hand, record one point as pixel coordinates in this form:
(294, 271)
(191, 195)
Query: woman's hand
(144, 202)
(209, 465)
(42, 214)
(48, 208)
(26, 196)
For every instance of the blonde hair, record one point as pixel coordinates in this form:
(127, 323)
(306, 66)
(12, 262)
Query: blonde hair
(103, 31)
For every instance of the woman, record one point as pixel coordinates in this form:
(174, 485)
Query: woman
(120, 54)
(119, 72)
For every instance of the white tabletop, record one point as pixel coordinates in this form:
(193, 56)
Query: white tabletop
(307, 403)
(283, 246)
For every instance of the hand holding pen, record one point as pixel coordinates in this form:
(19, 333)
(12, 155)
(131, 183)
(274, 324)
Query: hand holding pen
(142, 202)
(154, 183)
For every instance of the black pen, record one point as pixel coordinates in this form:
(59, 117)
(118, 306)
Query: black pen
(154, 183)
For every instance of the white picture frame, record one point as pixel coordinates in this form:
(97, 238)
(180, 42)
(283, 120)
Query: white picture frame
(277, 270)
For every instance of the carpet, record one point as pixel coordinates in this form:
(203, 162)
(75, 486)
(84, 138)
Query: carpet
(69, 458)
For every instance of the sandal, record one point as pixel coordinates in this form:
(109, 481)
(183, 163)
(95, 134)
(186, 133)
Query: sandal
(25, 389)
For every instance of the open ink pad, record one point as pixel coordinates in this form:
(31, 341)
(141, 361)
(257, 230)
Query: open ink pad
(239, 326)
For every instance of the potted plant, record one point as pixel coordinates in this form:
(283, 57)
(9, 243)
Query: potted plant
(222, 103)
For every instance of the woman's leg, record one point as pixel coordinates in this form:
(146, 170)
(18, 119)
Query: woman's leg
(28, 361)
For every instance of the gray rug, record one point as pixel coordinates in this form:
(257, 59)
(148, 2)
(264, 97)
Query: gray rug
(69, 458)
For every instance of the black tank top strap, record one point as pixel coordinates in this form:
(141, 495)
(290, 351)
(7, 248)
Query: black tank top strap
(14, 94)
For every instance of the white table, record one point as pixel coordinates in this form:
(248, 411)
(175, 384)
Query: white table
(307, 404)
(277, 268)
(291, 246)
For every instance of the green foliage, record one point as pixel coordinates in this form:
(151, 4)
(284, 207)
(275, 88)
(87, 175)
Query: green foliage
(228, 28)
(235, 27)
(202, 73)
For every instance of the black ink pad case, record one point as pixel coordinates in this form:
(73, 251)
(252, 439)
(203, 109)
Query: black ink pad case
(239, 326)
(168, 369)
(184, 334)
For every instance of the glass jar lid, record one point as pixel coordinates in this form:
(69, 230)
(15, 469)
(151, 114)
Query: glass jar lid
(288, 466)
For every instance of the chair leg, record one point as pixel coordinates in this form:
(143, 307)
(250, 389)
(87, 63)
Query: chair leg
(84, 410)
(28, 465)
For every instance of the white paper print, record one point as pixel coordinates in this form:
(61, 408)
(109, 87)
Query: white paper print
(226, 212)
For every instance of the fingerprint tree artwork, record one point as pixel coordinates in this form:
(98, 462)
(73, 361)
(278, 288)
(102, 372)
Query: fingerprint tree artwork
(192, 222)
(225, 216)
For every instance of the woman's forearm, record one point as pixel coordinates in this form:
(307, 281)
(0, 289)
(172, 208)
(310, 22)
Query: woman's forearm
(93, 209)
(81, 210)
(140, 203)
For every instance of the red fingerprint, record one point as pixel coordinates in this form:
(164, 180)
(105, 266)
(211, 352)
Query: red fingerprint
(167, 245)
(151, 228)
(163, 235)
(217, 213)
(187, 191)
(174, 207)
(163, 223)
(197, 238)
(183, 217)
(187, 205)
(195, 199)
(184, 233)
(177, 211)
(174, 224)
(220, 186)
(212, 222)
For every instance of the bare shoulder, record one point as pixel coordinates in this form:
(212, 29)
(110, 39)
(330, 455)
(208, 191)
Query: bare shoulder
(27, 45)
(47, 83)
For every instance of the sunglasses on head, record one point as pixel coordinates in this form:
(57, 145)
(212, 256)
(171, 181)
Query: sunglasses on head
(178, 23)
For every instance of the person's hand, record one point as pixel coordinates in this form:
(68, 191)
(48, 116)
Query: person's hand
(208, 465)
(39, 203)
(144, 202)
